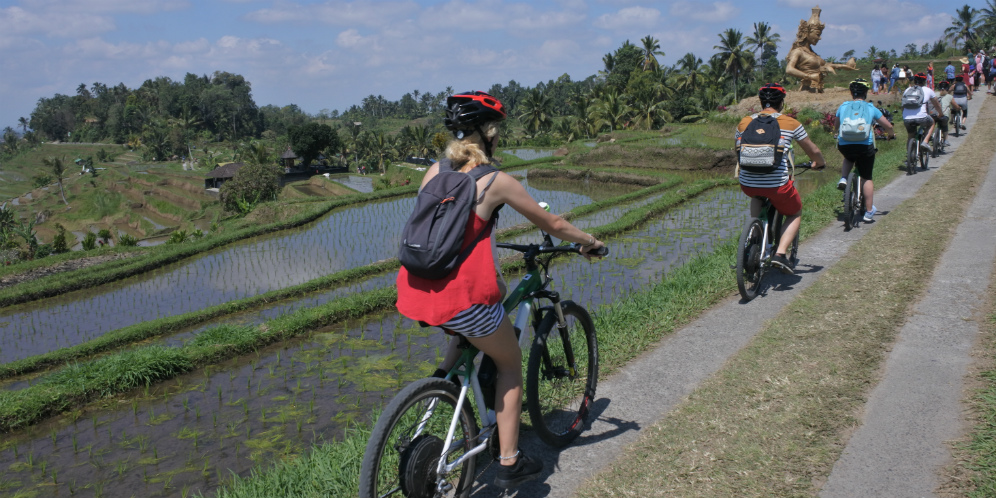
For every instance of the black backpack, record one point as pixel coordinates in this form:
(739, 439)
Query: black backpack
(960, 89)
(759, 150)
(433, 234)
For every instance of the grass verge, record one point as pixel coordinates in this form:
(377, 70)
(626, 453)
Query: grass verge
(776, 418)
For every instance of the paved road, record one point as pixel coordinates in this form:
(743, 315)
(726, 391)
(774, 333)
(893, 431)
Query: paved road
(649, 387)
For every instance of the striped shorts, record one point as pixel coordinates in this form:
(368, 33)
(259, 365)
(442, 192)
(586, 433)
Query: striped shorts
(479, 320)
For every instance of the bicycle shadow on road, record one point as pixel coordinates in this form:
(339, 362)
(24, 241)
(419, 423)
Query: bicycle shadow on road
(551, 457)
(777, 281)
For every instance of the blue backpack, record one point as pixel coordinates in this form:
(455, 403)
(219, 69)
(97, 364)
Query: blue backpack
(434, 233)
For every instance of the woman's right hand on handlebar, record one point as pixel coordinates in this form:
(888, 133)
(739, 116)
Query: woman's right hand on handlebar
(593, 250)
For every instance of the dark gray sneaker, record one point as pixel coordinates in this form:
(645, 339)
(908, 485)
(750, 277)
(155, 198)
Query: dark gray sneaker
(782, 263)
(524, 469)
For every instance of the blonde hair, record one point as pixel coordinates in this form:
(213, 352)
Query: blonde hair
(468, 152)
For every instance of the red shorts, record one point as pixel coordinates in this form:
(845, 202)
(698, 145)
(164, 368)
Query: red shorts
(785, 198)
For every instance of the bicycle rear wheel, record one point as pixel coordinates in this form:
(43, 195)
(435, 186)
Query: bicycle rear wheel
(749, 265)
(957, 125)
(924, 159)
(562, 375)
(912, 148)
(407, 441)
(852, 201)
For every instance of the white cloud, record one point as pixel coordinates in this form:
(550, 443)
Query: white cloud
(547, 21)
(718, 12)
(367, 13)
(59, 24)
(629, 18)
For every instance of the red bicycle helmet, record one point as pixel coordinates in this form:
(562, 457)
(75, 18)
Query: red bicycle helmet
(469, 110)
(771, 93)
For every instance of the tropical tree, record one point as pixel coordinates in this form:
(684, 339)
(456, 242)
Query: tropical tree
(23, 123)
(58, 167)
(690, 72)
(610, 111)
(963, 25)
(537, 110)
(872, 52)
(311, 139)
(763, 39)
(988, 15)
(651, 49)
(735, 57)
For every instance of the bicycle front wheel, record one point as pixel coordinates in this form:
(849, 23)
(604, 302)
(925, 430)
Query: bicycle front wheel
(911, 156)
(562, 375)
(924, 159)
(749, 265)
(407, 442)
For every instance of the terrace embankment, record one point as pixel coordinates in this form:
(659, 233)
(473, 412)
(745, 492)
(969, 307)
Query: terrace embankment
(669, 158)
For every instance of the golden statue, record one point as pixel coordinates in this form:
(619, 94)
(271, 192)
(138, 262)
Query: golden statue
(804, 63)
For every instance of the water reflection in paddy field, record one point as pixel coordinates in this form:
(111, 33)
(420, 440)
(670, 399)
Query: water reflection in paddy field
(356, 182)
(347, 238)
(528, 154)
(188, 434)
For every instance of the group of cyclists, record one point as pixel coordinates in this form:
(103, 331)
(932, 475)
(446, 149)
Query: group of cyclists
(468, 301)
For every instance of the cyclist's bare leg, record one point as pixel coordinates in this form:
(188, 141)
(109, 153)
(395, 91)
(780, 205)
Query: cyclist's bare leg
(929, 133)
(791, 228)
(755, 207)
(503, 348)
(868, 189)
(452, 354)
(845, 167)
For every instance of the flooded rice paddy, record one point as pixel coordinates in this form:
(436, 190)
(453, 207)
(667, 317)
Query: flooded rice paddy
(344, 239)
(186, 436)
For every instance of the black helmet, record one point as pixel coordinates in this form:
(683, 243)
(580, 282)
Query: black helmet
(469, 110)
(943, 85)
(772, 93)
(858, 87)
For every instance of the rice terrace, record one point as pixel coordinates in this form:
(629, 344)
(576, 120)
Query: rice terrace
(197, 294)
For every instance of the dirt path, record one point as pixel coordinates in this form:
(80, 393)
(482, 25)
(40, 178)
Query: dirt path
(634, 399)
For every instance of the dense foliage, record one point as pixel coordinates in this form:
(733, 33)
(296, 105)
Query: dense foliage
(252, 184)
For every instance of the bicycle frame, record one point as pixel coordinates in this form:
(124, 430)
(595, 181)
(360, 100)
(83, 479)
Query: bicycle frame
(530, 288)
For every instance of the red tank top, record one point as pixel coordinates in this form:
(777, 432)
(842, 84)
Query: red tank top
(473, 282)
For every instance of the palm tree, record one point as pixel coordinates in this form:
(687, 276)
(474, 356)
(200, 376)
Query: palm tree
(23, 123)
(610, 110)
(690, 72)
(872, 52)
(59, 170)
(763, 38)
(651, 49)
(988, 14)
(537, 110)
(736, 59)
(962, 25)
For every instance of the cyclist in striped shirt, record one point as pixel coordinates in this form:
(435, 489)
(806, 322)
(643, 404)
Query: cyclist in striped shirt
(777, 185)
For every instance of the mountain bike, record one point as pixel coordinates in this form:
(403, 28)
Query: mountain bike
(956, 120)
(426, 441)
(758, 243)
(936, 144)
(915, 154)
(854, 200)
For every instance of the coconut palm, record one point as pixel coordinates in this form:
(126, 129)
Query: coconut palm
(537, 110)
(735, 57)
(23, 123)
(651, 49)
(611, 111)
(988, 15)
(963, 25)
(690, 73)
(58, 167)
(763, 38)
(872, 52)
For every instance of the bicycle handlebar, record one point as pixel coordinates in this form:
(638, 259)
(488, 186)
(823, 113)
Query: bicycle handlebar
(537, 249)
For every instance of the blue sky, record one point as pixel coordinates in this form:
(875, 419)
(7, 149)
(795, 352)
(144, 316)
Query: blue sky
(331, 54)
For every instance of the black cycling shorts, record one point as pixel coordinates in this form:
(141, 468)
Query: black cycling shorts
(862, 155)
(912, 124)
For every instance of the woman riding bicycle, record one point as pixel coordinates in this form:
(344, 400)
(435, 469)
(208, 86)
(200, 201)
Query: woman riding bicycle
(468, 300)
(777, 184)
